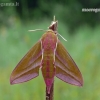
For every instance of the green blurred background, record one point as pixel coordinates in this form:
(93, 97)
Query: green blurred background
(81, 29)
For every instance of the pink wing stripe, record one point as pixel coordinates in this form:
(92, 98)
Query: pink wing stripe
(24, 78)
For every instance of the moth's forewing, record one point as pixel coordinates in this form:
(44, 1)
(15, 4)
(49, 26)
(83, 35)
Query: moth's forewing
(66, 69)
(28, 67)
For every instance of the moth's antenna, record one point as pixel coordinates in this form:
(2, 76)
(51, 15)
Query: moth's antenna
(62, 37)
(54, 18)
(36, 30)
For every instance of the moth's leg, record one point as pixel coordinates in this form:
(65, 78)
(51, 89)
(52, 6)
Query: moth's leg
(55, 51)
(42, 55)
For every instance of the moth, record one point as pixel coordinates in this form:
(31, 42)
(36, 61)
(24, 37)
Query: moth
(50, 56)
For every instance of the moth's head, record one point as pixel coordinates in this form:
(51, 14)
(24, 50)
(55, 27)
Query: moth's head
(53, 25)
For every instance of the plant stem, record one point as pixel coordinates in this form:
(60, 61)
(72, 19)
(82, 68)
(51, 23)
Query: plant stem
(50, 96)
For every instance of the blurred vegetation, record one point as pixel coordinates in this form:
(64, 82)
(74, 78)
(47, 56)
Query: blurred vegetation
(68, 11)
(83, 46)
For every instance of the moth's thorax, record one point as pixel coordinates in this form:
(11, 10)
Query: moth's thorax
(49, 40)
